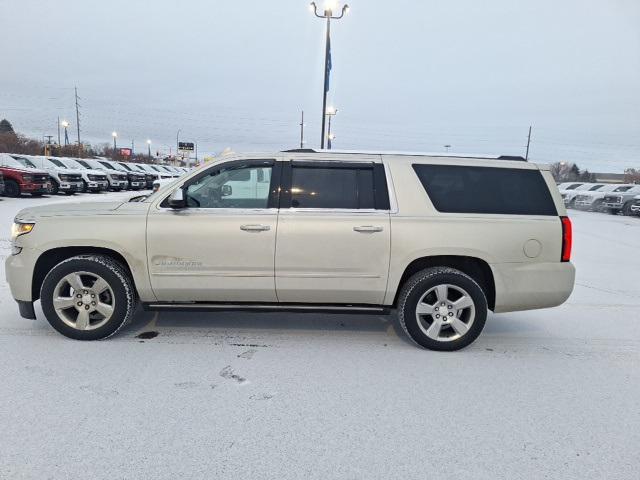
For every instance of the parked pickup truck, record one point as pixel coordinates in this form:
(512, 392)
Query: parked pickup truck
(117, 179)
(21, 176)
(635, 206)
(63, 179)
(93, 180)
(621, 200)
(592, 199)
(463, 235)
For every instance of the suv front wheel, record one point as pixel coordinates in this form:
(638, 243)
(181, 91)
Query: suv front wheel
(88, 297)
(442, 308)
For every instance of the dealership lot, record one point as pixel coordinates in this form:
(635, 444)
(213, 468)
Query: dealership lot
(549, 393)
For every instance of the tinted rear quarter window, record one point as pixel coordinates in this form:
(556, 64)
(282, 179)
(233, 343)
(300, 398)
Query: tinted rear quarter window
(489, 190)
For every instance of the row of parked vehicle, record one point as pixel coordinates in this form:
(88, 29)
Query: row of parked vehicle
(602, 197)
(40, 175)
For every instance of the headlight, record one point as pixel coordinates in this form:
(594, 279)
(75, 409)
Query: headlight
(18, 229)
(27, 178)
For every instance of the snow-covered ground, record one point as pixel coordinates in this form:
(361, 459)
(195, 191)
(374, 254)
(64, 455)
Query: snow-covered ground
(542, 394)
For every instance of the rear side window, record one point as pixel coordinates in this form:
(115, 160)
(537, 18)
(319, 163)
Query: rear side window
(506, 191)
(331, 187)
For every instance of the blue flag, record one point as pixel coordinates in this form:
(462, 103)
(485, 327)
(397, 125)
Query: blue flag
(328, 68)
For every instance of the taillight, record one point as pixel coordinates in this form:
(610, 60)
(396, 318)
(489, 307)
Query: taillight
(567, 239)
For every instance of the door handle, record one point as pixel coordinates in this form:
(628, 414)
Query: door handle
(368, 229)
(255, 228)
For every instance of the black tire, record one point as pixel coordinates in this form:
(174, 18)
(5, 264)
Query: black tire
(597, 206)
(85, 187)
(11, 188)
(626, 210)
(118, 280)
(422, 283)
(54, 187)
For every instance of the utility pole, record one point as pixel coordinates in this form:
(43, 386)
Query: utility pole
(59, 132)
(47, 145)
(328, 15)
(189, 164)
(78, 122)
(302, 130)
(526, 157)
(132, 148)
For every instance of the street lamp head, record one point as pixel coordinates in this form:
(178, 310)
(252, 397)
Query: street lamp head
(114, 134)
(64, 123)
(345, 9)
(313, 7)
(332, 110)
(148, 142)
(332, 136)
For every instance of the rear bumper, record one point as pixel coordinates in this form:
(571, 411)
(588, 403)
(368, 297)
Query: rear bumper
(529, 286)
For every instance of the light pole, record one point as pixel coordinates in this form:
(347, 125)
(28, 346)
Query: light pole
(331, 112)
(65, 124)
(178, 142)
(149, 148)
(329, 8)
(114, 134)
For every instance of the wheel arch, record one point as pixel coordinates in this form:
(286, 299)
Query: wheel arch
(476, 268)
(50, 258)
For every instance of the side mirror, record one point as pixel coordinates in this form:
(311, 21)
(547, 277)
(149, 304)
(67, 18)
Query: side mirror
(226, 190)
(177, 200)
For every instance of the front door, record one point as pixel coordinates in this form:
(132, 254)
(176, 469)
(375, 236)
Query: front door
(334, 234)
(221, 247)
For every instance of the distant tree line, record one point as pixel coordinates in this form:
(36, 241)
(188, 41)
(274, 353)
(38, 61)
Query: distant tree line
(12, 142)
(570, 172)
(632, 175)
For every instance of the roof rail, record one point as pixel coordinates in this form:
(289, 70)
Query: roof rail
(416, 154)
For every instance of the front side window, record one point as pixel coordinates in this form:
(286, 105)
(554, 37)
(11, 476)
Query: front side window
(239, 187)
(332, 187)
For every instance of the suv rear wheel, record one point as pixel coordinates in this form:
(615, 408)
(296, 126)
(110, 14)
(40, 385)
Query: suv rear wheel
(442, 308)
(88, 297)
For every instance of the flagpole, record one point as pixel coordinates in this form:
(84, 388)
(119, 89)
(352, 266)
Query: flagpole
(328, 15)
(325, 85)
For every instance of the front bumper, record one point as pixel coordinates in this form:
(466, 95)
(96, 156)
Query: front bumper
(71, 186)
(119, 184)
(613, 206)
(137, 184)
(97, 186)
(35, 187)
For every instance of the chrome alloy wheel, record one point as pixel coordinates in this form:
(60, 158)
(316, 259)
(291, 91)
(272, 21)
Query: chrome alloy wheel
(83, 300)
(445, 313)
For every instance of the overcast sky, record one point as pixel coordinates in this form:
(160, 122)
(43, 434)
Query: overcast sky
(407, 75)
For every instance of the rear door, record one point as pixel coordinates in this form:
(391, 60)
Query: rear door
(333, 236)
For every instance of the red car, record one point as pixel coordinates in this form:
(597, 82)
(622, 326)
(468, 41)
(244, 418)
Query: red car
(19, 178)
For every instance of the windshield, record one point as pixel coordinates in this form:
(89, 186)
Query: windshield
(573, 187)
(106, 164)
(57, 162)
(10, 162)
(595, 187)
(25, 162)
(622, 189)
(125, 166)
(74, 164)
(84, 164)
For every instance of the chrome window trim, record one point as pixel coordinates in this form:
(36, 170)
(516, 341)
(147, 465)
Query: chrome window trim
(337, 211)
